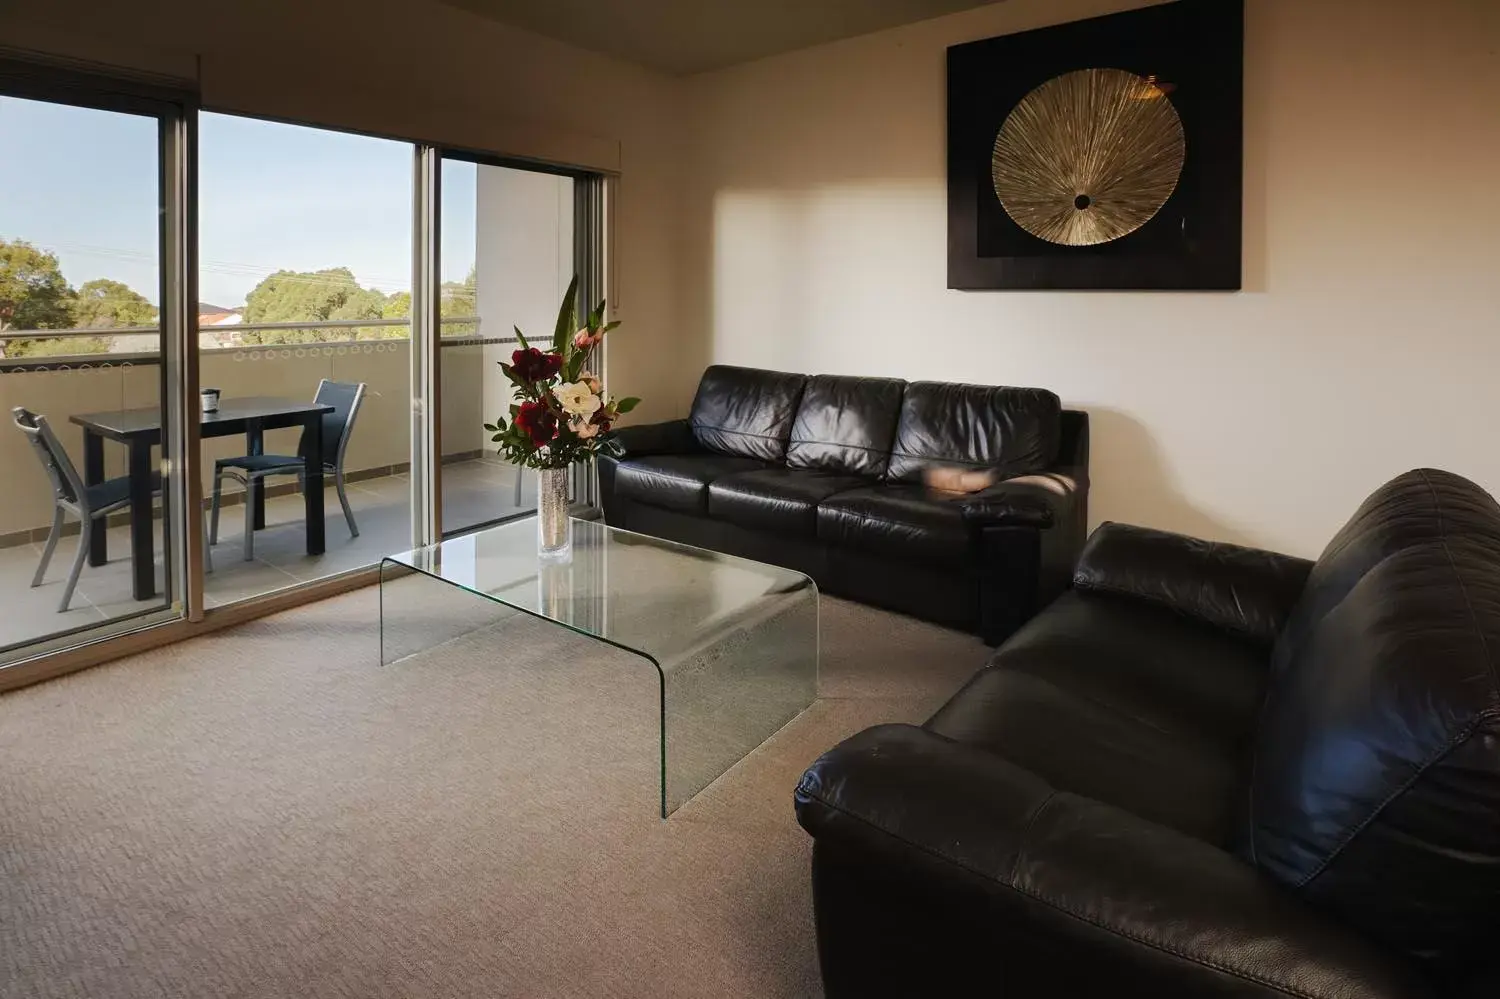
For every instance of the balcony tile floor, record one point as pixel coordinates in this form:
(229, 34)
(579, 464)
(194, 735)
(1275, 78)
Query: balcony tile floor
(473, 492)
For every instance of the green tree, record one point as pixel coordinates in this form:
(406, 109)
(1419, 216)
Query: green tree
(102, 303)
(315, 296)
(398, 306)
(458, 299)
(458, 296)
(33, 296)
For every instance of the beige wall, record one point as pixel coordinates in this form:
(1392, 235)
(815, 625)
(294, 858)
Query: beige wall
(1365, 341)
(523, 264)
(422, 69)
(790, 213)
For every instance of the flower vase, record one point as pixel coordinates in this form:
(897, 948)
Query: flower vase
(554, 531)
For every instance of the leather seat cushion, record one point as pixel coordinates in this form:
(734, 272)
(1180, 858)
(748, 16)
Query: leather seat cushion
(676, 481)
(1132, 706)
(1176, 673)
(901, 521)
(1087, 748)
(846, 425)
(781, 500)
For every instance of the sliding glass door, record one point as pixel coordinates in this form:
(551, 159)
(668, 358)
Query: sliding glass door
(93, 188)
(507, 254)
(304, 323)
(346, 328)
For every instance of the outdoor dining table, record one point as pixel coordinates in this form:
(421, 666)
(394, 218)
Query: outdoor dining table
(140, 430)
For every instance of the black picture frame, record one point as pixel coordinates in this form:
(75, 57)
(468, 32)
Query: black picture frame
(1196, 48)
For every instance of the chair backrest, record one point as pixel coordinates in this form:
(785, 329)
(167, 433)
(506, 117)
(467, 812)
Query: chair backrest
(1375, 789)
(345, 398)
(66, 483)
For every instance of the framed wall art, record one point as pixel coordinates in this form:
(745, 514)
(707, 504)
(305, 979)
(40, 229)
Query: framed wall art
(1102, 154)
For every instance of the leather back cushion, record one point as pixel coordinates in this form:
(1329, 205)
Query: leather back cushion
(746, 411)
(1012, 430)
(1375, 787)
(846, 425)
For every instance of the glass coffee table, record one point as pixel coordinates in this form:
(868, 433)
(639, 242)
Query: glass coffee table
(733, 643)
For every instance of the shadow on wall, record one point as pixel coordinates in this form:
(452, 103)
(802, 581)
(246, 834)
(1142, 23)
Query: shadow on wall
(787, 166)
(1129, 478)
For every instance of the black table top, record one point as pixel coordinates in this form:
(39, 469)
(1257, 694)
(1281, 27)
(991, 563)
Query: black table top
(125, 422)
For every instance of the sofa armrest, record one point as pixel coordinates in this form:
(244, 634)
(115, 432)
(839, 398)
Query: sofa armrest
(1040, 500)
(1242, 590)
(1148, 909)
(1030, 529)
(670, 437)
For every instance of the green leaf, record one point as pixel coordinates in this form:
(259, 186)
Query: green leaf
(521, 338)
(626, 404)
(566, 324)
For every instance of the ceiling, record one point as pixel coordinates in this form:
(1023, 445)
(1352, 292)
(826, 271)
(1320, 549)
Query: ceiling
(691, 36)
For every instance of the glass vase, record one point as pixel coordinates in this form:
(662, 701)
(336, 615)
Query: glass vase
(554, 531)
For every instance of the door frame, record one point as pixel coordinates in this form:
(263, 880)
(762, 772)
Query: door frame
(592, 232)
(174, 105)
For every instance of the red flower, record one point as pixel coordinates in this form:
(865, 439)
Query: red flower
(537, 422)
(535, 366)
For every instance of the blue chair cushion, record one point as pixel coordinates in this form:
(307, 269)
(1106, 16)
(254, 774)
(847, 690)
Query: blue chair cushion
(262, 464)
(114, 492)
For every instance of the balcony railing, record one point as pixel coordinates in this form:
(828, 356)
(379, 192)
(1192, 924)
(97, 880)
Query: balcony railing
(473, 389)
(123, 342)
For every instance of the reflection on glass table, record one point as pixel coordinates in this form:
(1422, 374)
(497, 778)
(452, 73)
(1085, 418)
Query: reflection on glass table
(733, 644)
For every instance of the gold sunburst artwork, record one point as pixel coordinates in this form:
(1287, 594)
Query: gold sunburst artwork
(1089, 156)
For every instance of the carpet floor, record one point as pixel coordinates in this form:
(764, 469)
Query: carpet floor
(267, 812)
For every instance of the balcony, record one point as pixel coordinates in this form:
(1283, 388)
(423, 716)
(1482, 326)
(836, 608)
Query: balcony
(123, 373)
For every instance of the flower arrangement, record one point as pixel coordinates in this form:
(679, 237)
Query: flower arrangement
(562, 414)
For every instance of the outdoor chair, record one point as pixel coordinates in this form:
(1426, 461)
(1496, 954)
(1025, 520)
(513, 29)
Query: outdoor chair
(69, 495)
(345, 398)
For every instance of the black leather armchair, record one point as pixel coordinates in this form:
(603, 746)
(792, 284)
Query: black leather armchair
(1205, 771)
(1010, 886)
(823, 474)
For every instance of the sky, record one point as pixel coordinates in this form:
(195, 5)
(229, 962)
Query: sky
(82, 184)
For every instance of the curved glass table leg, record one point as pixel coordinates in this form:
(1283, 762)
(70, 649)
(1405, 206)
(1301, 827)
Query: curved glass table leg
(733, 643)
(726, 696)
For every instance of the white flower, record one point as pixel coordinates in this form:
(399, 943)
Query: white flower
(577, 399)
(583, 428)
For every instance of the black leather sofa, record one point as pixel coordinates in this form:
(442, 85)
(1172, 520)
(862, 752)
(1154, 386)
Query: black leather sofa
(823, 474)
(1205, 771)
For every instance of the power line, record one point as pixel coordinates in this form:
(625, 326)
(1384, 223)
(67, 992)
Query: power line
(226, 267)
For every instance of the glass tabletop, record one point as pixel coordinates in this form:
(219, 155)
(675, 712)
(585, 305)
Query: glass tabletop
(648, 595)
(734, 641)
